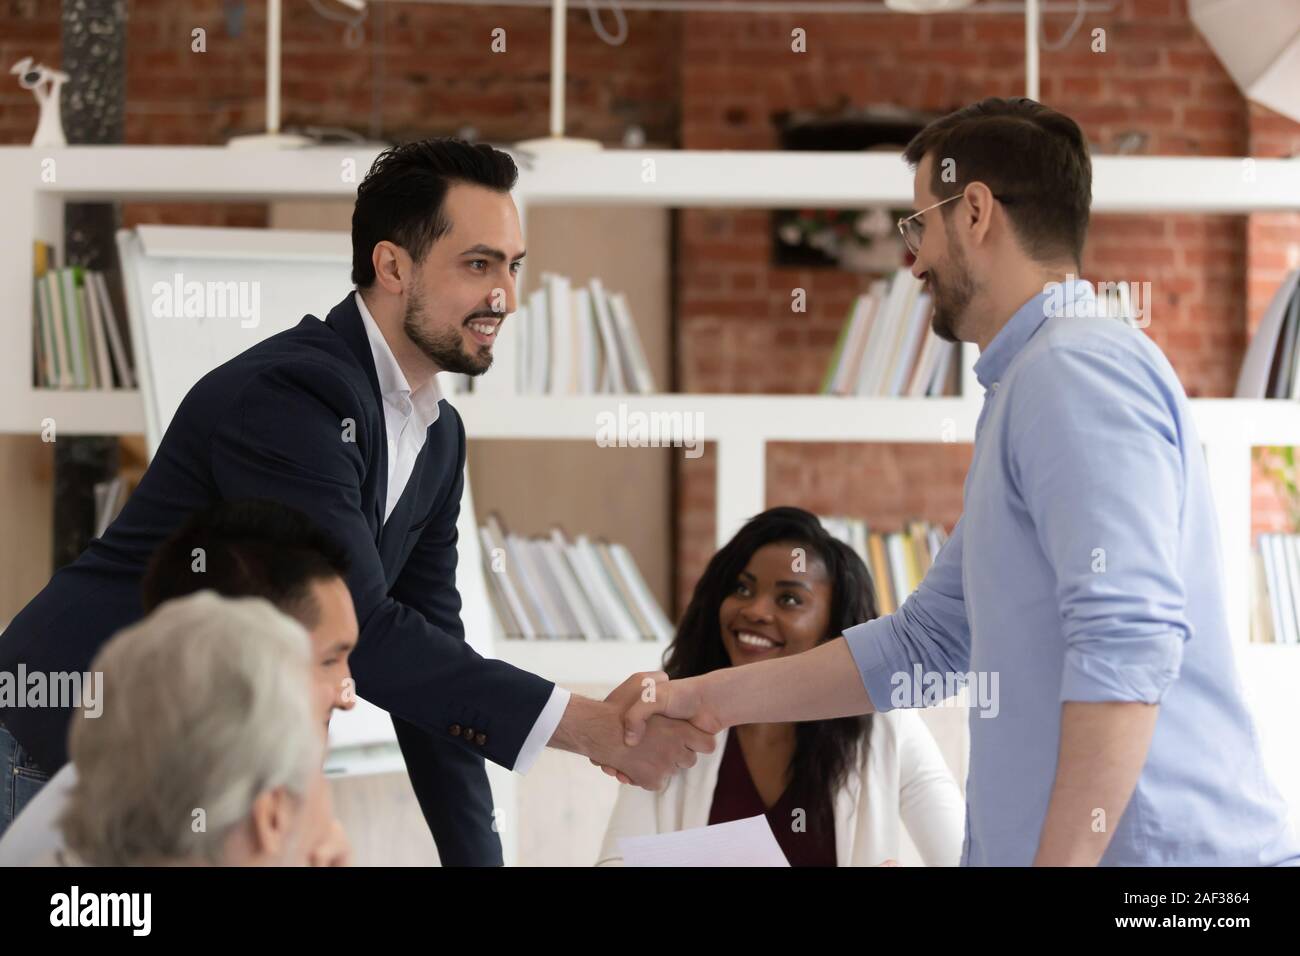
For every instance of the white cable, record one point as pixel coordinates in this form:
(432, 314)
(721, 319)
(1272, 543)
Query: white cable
(1070, 31)
(619, 17)
(353, 34)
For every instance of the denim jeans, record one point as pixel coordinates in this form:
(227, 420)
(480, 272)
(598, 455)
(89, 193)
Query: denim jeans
(22, 778)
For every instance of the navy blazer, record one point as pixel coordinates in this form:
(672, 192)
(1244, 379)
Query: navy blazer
(299, 418)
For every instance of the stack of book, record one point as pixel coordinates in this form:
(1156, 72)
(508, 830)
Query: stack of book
(568, 340)
(553, 588)
(1272, 365)
(79, 342)
(897, 561)
(1277, 589)
(887, 348)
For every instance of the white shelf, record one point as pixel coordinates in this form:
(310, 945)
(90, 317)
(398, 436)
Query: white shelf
(728, 417)
(713, 178)
(79, 412)
(1246, 422)
(788, 418)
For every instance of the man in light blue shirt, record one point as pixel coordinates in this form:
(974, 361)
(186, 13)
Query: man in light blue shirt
(1084, 575)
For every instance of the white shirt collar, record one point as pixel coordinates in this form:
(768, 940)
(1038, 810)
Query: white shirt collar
(392, 382)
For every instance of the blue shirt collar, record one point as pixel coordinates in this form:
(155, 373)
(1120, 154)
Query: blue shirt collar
(1026, 320)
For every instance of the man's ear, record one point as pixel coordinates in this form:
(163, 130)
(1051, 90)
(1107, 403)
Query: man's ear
(394, 270)
(270, 819)
(977, 211)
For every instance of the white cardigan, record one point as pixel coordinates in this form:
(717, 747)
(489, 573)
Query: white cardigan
(903, 781)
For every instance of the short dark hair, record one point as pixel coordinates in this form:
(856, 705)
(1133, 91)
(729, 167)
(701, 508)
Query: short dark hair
(823, 748)
(401, 198)
(1034, 159)
(253, 547)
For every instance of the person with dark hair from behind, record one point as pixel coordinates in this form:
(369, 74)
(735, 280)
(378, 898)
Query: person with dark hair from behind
(835, 792)
(250, 548)
(343, 418)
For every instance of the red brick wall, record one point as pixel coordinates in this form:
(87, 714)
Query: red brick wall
(737, 332)
(706, 81)
(437, 75)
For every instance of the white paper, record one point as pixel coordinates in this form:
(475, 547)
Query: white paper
(748, 842)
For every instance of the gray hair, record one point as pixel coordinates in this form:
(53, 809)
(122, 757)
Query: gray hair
(208, 705)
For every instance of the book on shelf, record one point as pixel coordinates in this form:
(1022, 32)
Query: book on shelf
(1271, 368)
(78, 339)
(897, 560)
(886, 346)
(568, 340)
(1275, 613)
(553, 587)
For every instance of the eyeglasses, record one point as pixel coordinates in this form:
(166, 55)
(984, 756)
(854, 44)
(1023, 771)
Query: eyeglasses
(913, 227)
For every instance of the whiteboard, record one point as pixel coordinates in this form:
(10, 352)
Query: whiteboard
(287, 275)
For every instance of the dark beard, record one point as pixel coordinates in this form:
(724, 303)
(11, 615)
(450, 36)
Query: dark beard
(952, 297)
(444, 348)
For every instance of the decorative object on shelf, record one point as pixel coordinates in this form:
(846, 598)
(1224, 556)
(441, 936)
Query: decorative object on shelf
(1258, 43)
(1279, 465)
(1131, 142)
(858, 240)
(863, 241)
(1275, 617)
(46, 85)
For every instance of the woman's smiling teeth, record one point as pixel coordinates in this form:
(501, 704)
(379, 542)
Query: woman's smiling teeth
(750, 639)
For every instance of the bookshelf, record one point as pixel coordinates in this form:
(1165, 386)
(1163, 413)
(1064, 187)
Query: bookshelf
(34, 184)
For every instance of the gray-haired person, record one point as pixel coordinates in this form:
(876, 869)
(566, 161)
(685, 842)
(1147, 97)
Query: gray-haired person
(209, 749)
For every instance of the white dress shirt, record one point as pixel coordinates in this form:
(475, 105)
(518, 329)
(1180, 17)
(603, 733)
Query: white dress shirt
(407, 417)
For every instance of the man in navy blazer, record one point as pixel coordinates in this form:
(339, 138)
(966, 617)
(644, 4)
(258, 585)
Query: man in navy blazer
(343, 419)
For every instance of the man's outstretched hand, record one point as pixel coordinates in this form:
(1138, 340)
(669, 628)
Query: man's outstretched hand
(655, 729)
(594, 729)
(683, 699)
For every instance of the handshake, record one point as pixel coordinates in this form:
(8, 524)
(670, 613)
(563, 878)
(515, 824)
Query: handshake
(646, 730)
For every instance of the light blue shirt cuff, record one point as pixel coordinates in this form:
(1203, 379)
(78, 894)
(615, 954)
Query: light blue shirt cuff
(867, 645)
(542, 730)
(1126, 670)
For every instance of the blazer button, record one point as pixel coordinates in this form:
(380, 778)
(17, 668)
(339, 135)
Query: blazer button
(454, 730)
(480, 739)
(469, 733)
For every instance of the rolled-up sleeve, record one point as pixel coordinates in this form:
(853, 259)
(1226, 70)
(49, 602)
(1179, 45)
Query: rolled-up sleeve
(929, 630)
(1098, 462)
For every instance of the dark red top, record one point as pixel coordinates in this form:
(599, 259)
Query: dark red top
(736, 798)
